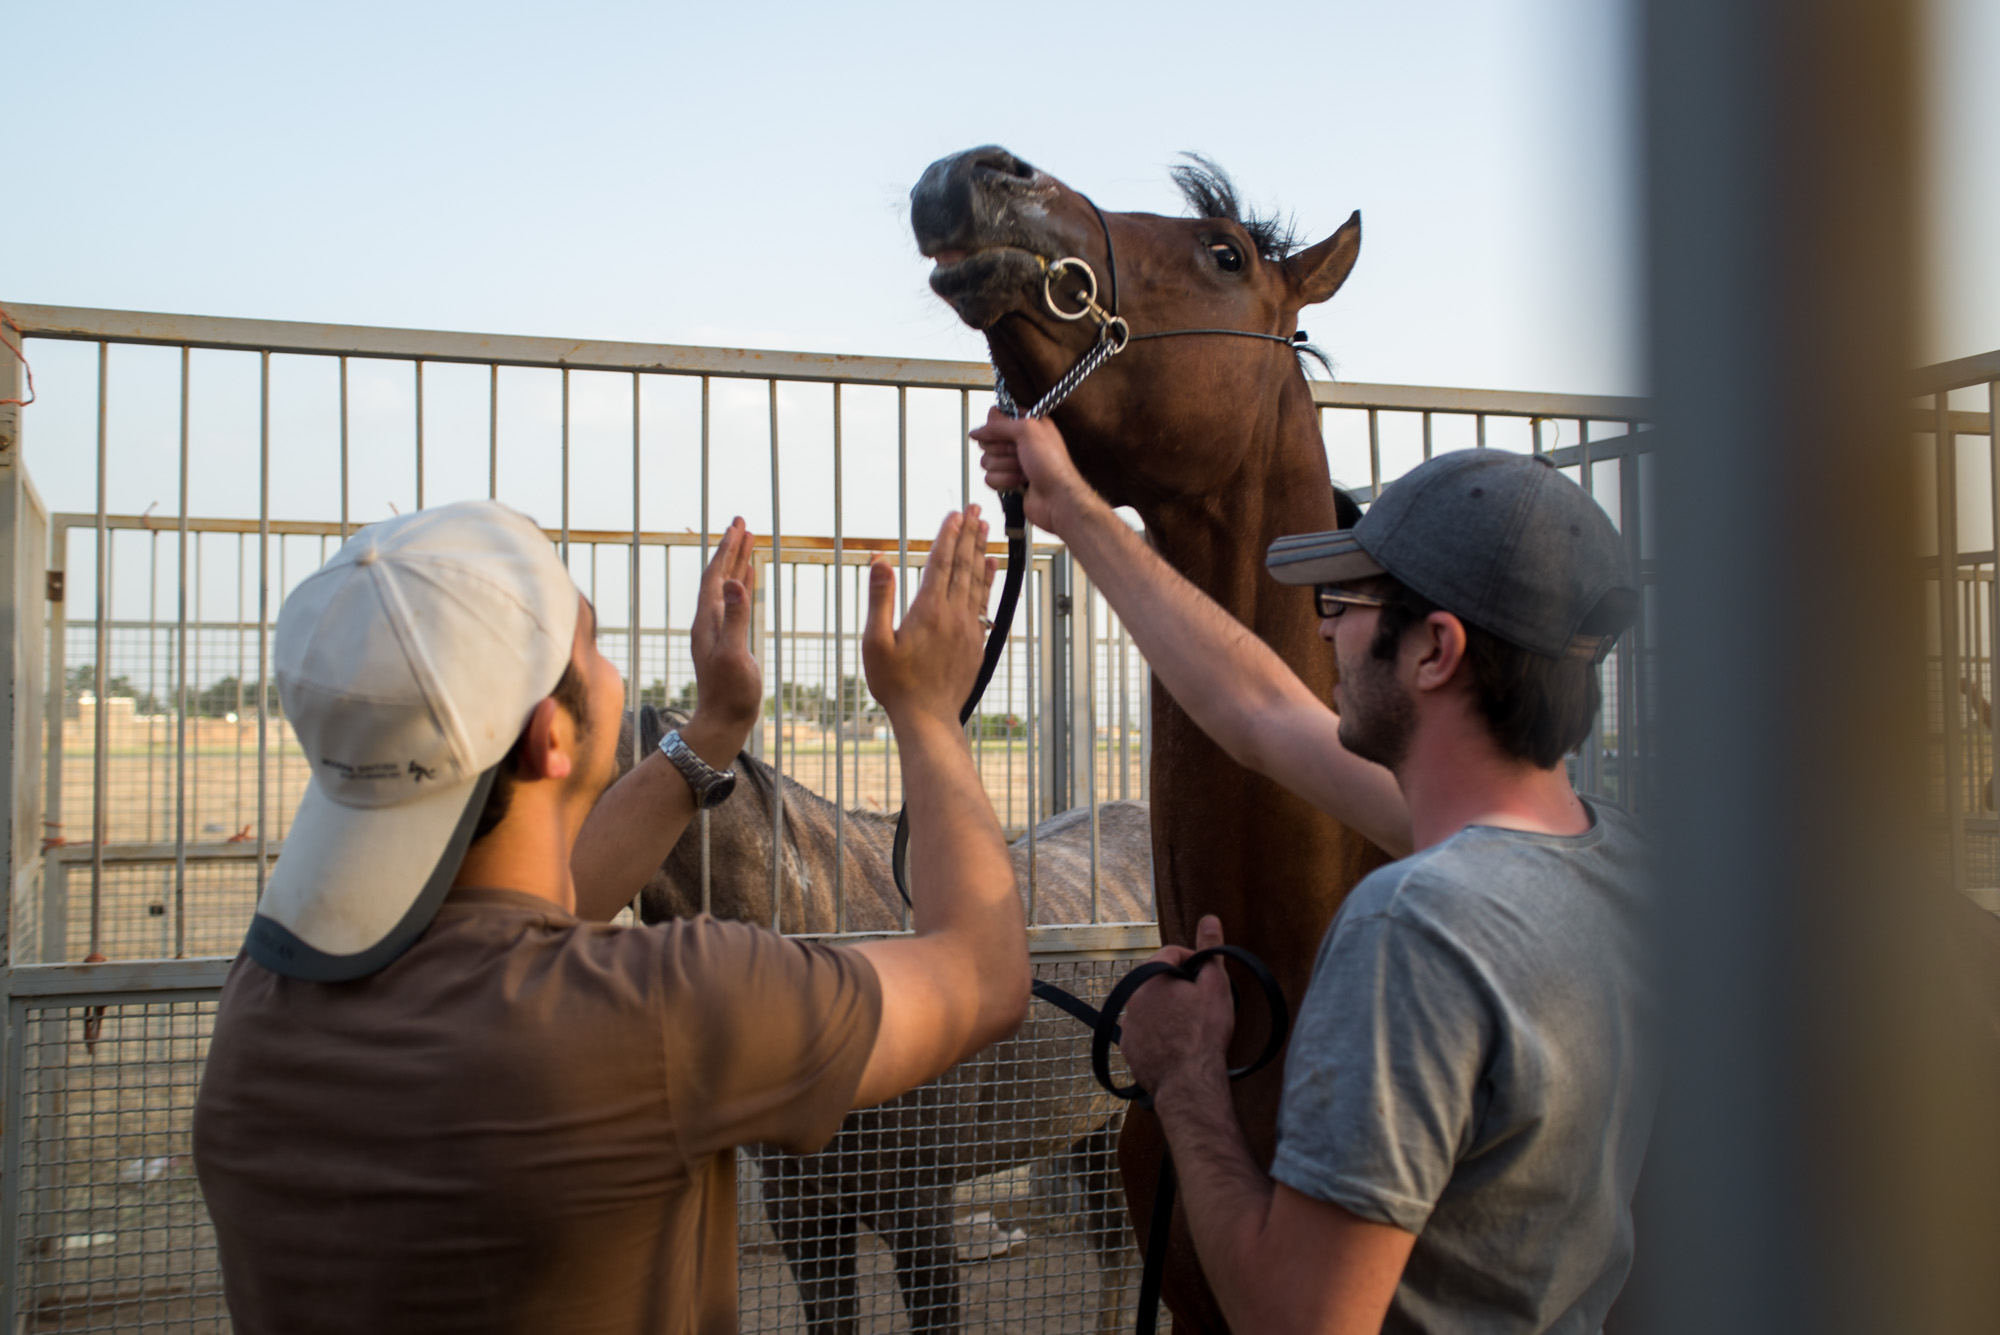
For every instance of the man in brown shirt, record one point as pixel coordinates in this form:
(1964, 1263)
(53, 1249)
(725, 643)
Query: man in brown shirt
(443, 1094)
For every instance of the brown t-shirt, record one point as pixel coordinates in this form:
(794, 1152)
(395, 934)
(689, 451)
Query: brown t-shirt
(517, 1125)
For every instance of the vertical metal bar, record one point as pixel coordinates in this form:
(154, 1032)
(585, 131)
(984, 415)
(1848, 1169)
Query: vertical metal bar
(493, 431)
(839, 685)
(1124, 712)
(100, 807)
(902, 562)
(777, 677)
(55, 888)
(1535, 435)
(632, 588)
(707, 883)
(1146, 736)
(13, 1164)
(1950, 686)
(343, 446)
(565, 465)
(1993, 603)
(263, 617)
(1031, 599)
(1593, 756)
(1375, 449)
(181, 656)
(152, 663)
(1087, 594)
(1012, 726)
(420, 432)
(1427, 433)
(1631, 645)
(964, 448)
(903, 497)
(242, 616)
(1479, 421)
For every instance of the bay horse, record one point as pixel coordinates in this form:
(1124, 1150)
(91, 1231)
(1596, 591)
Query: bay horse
(896, 1168)
(1215, 442)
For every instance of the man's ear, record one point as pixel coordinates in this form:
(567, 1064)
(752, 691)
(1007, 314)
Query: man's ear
(1318, 271)
(1443, 656)
(547, 752)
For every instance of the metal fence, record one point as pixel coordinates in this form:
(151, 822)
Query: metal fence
(199, 468)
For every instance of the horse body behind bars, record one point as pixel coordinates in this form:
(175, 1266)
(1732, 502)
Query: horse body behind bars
(893, 1168)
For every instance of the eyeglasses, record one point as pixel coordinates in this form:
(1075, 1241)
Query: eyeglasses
(1333, 600)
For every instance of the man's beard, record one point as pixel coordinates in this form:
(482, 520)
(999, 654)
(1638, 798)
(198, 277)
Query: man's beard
(1377, 717)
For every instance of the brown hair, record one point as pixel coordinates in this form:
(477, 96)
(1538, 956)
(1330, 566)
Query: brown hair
(1538, 709)
(573, 695)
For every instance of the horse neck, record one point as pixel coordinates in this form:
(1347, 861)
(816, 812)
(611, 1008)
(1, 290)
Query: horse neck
(1218, 540)
(1227, 841)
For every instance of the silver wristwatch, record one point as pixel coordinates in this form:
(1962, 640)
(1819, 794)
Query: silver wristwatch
(711, 785)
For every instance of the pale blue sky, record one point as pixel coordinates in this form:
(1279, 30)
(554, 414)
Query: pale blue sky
(738, 176)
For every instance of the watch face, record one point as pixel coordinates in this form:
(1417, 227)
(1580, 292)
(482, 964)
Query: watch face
(718, 791)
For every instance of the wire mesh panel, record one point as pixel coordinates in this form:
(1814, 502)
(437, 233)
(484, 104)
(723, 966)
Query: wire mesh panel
(986, 1201)
(111, 1233)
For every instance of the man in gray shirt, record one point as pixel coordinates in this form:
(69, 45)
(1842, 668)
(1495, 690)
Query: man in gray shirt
(1470, 1083)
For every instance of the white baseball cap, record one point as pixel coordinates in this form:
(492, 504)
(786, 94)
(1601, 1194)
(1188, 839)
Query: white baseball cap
(407, 666)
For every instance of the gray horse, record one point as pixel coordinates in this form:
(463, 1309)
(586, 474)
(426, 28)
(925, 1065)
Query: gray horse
(1030, 1098)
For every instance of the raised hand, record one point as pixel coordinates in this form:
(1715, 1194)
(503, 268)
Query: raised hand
(928, 664)
(729, 685)
(1028, 455)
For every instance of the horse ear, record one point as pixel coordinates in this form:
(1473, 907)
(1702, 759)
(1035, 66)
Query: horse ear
(1318, 271)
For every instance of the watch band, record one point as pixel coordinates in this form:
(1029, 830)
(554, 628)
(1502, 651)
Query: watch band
(710, 785)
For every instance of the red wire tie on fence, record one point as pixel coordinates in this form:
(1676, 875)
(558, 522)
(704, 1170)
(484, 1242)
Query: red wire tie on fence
(242, 836)
(7, 322)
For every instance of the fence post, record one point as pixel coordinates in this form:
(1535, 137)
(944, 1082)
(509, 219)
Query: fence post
(11, 837)
(1826, 1159)
(1056, 703)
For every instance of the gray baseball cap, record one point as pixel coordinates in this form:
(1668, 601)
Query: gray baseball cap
(1501, 540)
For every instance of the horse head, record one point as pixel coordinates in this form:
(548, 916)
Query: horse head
(1169, 418)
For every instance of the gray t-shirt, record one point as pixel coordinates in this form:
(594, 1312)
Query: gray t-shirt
(1472, 1063)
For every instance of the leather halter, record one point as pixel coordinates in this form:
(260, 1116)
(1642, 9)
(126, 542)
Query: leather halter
(1114, 334)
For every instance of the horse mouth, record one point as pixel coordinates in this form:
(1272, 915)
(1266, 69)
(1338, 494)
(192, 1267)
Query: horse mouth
(986, 283)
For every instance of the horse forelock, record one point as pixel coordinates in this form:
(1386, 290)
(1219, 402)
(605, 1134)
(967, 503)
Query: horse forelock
(1211, 194)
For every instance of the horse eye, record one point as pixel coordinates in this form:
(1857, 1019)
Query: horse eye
(1227, 256)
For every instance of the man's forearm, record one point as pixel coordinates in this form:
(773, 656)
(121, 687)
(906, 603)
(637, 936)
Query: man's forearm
(961, 875)
(1227, 1196)
(637, 822)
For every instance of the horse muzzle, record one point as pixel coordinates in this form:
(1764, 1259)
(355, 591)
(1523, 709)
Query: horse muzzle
(984, 216)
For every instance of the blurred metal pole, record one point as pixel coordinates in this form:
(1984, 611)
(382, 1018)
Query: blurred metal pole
(1821, 1163)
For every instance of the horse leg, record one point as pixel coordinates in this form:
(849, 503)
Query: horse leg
(921, 1238)
(815, 1229)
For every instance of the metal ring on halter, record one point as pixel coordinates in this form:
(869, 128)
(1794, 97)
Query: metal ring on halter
(1089, 307)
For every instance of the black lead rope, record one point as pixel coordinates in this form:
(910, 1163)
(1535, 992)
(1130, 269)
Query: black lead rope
(1011, 508)
(1104, 1028)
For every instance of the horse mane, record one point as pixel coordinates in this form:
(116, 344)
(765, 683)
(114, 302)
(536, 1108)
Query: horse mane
(1211, 194)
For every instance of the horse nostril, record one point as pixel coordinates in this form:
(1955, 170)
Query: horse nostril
(1002, 163)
